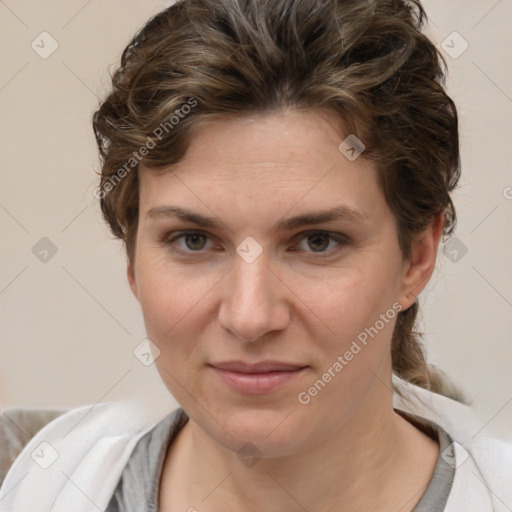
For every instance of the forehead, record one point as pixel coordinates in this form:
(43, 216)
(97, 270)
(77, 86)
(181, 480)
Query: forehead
(274, 160)
(267, 139)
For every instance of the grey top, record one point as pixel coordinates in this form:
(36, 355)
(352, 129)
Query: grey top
(138, 487)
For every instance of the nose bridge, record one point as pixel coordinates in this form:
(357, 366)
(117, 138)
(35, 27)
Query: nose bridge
(252, 305)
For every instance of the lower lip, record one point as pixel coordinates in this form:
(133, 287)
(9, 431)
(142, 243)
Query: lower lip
(257, 383)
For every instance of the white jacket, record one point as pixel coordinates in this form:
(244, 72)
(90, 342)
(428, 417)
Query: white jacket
(86, 449)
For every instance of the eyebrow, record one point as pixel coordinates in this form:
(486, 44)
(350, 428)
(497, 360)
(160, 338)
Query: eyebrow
(342, 212)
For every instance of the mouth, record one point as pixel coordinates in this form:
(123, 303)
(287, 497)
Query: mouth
(256, 378)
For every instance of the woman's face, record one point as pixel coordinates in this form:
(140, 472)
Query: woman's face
(254, 286)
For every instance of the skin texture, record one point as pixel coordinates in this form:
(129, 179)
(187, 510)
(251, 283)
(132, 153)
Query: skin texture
(301, 301)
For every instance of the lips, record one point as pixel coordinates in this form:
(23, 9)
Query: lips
(259, 367)
(259, 378)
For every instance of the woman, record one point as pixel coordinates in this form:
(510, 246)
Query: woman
(237, 136)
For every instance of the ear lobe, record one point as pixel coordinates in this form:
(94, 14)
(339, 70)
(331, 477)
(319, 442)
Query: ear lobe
(421, 264)
(132, 280)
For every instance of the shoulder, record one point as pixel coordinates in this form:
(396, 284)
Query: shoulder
(86, 448)
(483, 463)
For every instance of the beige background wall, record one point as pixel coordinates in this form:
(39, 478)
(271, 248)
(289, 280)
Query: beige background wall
(69, 325)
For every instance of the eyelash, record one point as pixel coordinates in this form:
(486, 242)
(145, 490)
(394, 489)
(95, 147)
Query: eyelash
(169, 239)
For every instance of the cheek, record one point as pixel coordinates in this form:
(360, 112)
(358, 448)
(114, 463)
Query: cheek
(173, 308)
(178, 306)
(358, 310)
(358, 314)
(168, 299)
(351, 303)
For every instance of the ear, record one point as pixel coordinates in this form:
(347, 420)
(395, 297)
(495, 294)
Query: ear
(420, 266)
(130, 272)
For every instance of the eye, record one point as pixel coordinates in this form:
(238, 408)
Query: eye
(192, 241)
(321, 240)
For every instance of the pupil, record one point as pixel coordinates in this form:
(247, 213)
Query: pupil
(316, 237)
(194, 236)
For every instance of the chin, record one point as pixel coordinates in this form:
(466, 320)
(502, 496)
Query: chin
(273, 431)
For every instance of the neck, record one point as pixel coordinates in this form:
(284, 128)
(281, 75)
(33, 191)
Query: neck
(370, 451)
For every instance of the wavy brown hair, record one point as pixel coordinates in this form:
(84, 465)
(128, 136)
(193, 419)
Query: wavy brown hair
(367, 61)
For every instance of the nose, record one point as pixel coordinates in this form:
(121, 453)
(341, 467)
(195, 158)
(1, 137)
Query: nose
(254, 301)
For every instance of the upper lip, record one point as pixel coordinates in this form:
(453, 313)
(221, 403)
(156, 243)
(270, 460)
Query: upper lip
(259, 367)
